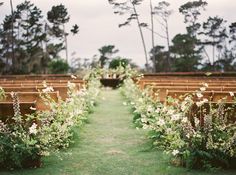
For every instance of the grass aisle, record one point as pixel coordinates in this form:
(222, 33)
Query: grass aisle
(108, 145)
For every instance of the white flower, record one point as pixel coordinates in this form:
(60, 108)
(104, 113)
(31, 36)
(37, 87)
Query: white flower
(71, 85)
(202, 88)
(196, 121)
(32, 108)
(74, 77)
(157, 110)
(44, 84)
(161, 122)
(124, 103)
(79, 112)
(184, 106)
(200, 103)
(144, 119)
(145, 126)
(170, 112)
(175, 117)
(48, 89)
(33, 129)
(205, 84)
(205, 100)
(185, 120)
(168, 130)
(187, 98)
(231, 94)
(149, 108)
(188, 135)
(140, 100)
(175, 152)
(199, 94)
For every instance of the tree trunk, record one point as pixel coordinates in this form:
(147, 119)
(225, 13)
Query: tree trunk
(153, 40)
(12, 38)
(142, 37)
(66, 44)
(168, 45)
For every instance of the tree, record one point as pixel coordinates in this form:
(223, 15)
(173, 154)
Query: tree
(12, 36)
(75, 29)
(58, 66)
(115, 63)
(105, 53)
(191, 11)
(58, 16)
(130, 7)
(6, 44)
(29, 37)
(186, 57)
(215, 33)
(163, 11)
(160, 57)
(232, 33)
(20, 38)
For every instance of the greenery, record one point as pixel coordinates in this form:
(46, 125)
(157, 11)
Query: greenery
(28, 43)
(202, 139)
(58, 66)
(105, 54)
(115, 63)
(28, 138)
(109, 144)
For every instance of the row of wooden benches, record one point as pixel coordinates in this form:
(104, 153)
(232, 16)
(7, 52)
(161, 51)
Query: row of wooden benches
(29, 102)
(39, 77)
(40, 81)
(30, 98)
(213, 96)
(195, 84)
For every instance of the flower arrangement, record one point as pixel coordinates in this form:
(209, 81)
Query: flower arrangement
(25, 139)
(193, 131)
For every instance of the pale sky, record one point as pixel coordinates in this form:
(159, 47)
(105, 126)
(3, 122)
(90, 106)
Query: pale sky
(99, 25)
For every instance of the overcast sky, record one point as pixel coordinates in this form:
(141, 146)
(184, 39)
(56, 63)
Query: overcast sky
(99, 25)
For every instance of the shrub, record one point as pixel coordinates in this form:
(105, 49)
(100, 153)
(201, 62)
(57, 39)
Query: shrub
(197, 134)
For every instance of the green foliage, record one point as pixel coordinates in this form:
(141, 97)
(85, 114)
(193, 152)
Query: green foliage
(58, 66)
(196, 134)
(75, 29)
(58, 15)
(105, 54)
(187, 56)
(191, 11)
(28, 138)
(161, 59)
(115, 63)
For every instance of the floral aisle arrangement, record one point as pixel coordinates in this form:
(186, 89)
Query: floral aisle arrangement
(25, 139)
(194, 132)
(118, 73)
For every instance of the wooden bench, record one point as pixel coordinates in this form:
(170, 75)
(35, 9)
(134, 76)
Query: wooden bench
(6, 109)
(213, 96)
(61, 89)
(29, 97)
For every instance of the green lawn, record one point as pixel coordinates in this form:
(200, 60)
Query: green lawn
(109, 145)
